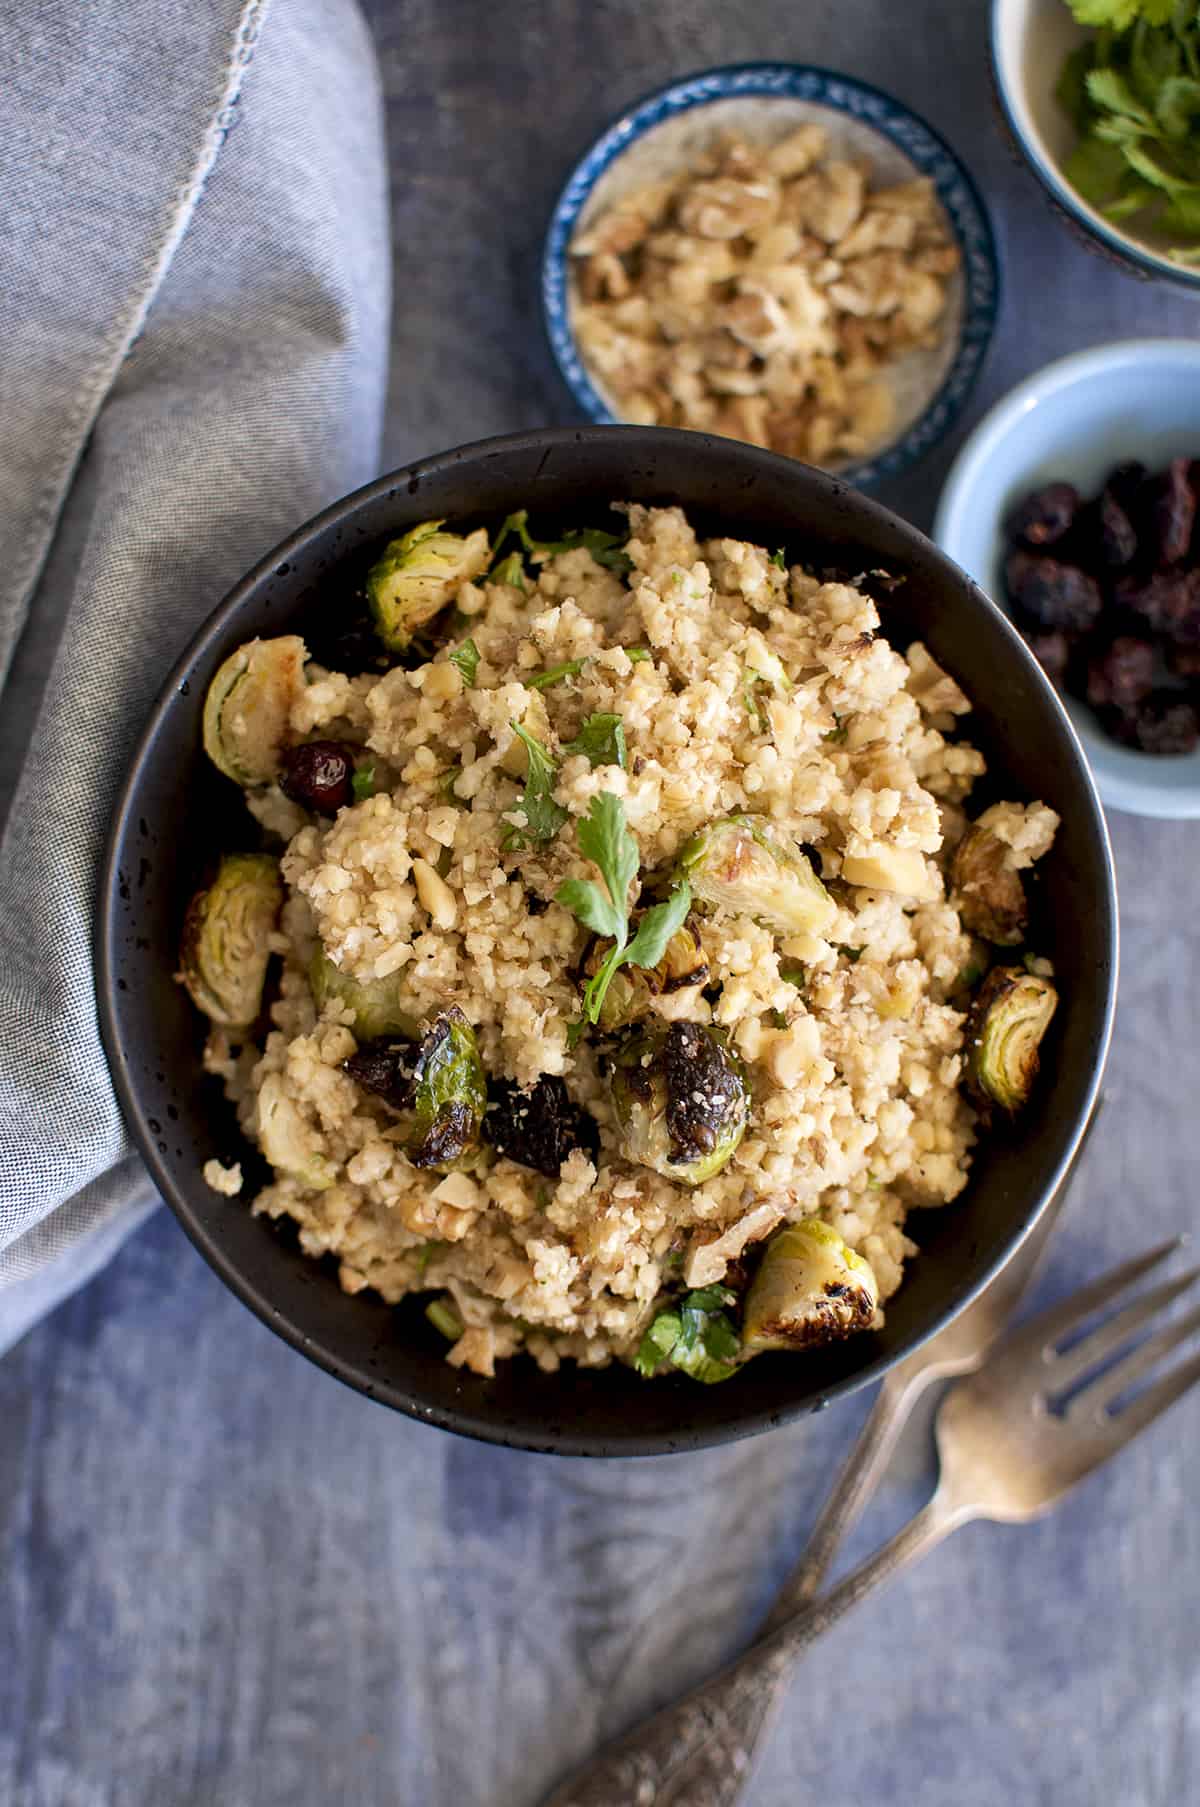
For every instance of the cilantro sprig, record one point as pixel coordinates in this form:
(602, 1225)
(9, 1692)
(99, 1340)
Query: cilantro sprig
(554, 674)
(543, 816)
(466, 659)
(605, 839)
(606, 548)
(696, 1336)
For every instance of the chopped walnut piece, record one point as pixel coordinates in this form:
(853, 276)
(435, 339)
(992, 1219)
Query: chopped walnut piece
(725, 209)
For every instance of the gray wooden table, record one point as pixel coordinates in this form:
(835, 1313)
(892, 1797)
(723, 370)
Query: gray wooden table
(225, 1581)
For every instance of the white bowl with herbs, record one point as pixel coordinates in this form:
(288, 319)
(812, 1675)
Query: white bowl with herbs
(1102, 98)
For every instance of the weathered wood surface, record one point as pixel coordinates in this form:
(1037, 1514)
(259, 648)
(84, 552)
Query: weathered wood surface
(225, 1581)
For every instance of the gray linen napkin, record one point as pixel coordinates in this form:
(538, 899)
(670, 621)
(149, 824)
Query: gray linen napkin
(194, 273)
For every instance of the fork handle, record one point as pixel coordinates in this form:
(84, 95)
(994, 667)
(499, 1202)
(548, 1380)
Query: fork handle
(856, 1483)
(699, 1751)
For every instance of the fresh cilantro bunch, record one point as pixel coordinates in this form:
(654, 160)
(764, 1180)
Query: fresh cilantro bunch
(605, 839)
(696, 1336)
(1133, 93)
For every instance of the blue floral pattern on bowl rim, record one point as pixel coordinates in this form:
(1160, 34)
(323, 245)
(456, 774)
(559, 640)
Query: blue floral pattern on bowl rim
(929, 153)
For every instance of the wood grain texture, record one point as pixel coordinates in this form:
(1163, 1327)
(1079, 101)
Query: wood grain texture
(225, 1581)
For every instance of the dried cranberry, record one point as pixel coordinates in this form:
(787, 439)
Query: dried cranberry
(1121, 674)
(1169, 602)
(1118, 536)
(1184, 661)
(540, 1127)
(319, 775)
(1052, 594)
(1174, 511)
(1126, 482)
(1052, 651)
(384, 1066)
(1046, 515)
(1164, 722)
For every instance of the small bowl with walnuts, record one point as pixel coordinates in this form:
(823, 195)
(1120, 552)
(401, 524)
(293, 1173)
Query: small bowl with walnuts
(778, 255)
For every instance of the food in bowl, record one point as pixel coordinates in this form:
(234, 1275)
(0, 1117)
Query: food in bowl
(1106, 592)
(1132, 93)
(766, 292)
(639, 967)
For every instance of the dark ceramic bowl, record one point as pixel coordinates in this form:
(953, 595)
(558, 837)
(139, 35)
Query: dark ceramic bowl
(176, 813)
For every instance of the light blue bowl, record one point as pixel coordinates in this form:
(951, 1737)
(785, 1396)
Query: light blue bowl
(780, 94)
(1075, 420)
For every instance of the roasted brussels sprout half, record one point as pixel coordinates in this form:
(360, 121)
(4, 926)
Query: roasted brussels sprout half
(743, 866)
(1010, 1015)
(247, 707)
(682, 1101)
(288, 1140)
(438, 1082)
(810, 1289)
(418, 575)
(988, 893)
(631, 988)
(538, 1126)
(227, 938)
(375, 1002)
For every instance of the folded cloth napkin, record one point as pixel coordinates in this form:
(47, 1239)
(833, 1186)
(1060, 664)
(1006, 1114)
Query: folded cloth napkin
(194, 272)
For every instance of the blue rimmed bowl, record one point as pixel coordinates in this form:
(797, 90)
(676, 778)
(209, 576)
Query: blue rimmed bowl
(764, 101)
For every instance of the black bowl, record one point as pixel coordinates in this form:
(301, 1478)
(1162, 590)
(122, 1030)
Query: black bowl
(175, 814)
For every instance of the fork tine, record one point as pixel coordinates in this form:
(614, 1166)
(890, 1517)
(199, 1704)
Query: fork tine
(1143, 1360)
(1111, 1337)
(1049, 1327)
(1142, 1411)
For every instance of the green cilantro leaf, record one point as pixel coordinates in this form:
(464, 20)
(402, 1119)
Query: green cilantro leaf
(363, 783)
(754, 708)
(510, 570)
(601, 739)
(466, 658)
(636, 654)
(555, 674)
(425, 1255)
(696, 1336)
(605, 839)
(778, 559)
(657, 926)
(516, 523)
(543, 816)
(443, 1317)
(605, 548)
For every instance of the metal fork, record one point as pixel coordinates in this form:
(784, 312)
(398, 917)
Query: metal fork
(958, 1349)
(1012, 1440)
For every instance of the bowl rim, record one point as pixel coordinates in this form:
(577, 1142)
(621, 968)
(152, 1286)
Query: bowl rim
(464, 1420)
(1120, 244)
(1139, 796)
(957, 191)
